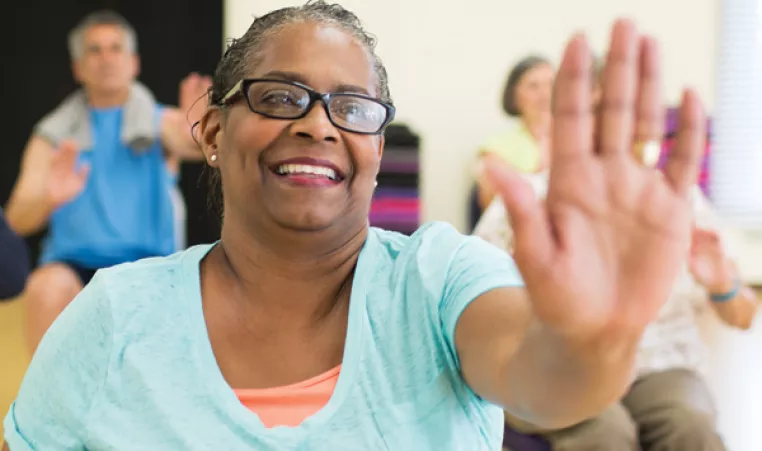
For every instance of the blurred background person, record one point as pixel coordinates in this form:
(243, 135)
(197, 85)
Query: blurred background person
(14, 261)
(526, 99)
(100, 170)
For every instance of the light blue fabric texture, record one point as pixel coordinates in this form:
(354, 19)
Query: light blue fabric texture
(129, 366)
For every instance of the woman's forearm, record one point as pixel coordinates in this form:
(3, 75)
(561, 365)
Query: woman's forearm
(554, 383)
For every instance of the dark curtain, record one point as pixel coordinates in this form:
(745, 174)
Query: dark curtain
(175, 37)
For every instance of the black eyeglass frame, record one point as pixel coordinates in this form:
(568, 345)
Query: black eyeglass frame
(242, 88)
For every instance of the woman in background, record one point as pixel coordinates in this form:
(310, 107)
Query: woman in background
(526, 97)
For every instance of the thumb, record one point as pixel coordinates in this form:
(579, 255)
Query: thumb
(533, 246)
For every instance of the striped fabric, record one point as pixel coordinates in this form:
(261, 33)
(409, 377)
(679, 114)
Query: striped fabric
(396, 202)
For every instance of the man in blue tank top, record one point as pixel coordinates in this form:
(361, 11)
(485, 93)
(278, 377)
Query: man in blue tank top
(100, 170)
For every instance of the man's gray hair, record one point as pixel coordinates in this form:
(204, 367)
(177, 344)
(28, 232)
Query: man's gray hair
(106, 17)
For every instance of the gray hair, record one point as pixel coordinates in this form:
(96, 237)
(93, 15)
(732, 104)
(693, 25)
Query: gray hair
(105, 17)
(243, 53)
(514, 78)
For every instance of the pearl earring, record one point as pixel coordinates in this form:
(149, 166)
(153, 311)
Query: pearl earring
(213, 158)
(375, 183)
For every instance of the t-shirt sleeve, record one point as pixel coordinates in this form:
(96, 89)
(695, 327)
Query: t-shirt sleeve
(476, 268)
(66, 372)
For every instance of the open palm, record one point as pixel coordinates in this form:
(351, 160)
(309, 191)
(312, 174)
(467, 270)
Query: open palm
(192, 101)
(66, 179)
(600, 255)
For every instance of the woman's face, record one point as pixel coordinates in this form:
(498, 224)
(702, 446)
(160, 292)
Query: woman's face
(254, 151)
(533, 92)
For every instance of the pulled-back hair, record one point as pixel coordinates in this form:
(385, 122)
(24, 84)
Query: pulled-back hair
(514, 77)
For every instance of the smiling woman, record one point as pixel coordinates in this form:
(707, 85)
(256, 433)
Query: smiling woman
(277, 83)
(304, 328)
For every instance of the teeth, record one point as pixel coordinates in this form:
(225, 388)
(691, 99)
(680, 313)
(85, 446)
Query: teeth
(306, 169)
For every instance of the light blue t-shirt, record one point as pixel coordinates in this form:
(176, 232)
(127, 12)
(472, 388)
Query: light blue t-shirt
(125, 211)
(129, 366)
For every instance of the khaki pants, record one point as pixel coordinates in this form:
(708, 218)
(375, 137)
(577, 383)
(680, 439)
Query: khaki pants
(667, 411)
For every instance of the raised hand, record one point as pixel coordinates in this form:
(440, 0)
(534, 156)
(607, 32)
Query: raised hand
(192, 97)
(708, 263)
(600, 255)
(66, 179)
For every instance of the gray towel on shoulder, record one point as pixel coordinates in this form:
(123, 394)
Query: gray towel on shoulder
(71, 120)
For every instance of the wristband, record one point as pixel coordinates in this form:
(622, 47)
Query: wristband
(724, 297)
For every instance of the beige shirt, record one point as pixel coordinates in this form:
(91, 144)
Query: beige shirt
(672, 340)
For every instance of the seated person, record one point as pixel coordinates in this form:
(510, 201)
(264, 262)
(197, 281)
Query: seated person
(100, 171)
(14, 262)
(669, 405)
(526, 98)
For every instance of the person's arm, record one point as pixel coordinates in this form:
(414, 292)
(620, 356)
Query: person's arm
(177, 123)
(176, 136)
(28, 207)
(533, 351)
(529, 350)
(735, 303)
(740, 310)
(712, 265)
(61, 385)
(14, 262)
(538, 351)
(510, 359)
(533, 373)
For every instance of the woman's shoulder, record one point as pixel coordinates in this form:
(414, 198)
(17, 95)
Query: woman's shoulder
(154, 270)
(514, 134)
(432, 248)
(441, 233)
(516, 146)
(151, 284)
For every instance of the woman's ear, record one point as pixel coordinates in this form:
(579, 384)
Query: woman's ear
(210, 133)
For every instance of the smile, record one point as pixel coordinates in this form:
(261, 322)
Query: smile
(307, 170)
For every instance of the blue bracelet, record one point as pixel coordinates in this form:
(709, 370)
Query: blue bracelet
(724, 297)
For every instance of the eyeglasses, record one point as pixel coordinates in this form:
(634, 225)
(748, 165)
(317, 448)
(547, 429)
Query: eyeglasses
(280, 99)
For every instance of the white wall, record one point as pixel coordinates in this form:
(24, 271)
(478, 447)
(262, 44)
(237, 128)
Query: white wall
(447, 62)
